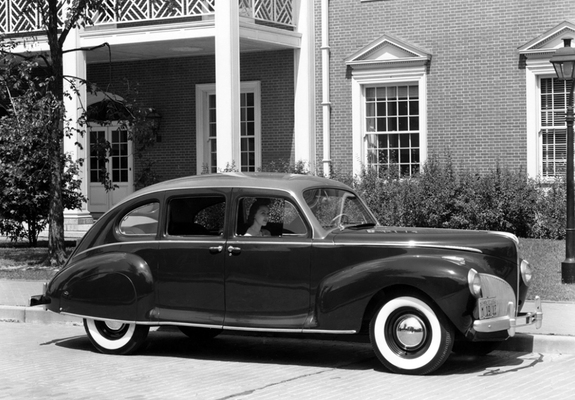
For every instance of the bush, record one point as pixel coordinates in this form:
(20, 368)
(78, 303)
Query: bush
(443, 197)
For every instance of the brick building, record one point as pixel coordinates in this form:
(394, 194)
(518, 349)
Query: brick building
(478, 75)
(384, 83)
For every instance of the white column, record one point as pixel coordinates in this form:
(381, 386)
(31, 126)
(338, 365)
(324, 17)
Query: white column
(304, 107)
(75, 66)
(227, 83)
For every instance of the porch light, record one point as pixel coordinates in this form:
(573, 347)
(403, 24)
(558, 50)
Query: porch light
(564, 63)
(153, 117)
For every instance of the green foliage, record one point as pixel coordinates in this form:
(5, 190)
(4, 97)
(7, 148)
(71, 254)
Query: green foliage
(280, 165)
(25, 169)
(443, 197)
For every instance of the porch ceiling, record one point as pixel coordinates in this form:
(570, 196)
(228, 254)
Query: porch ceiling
(171, 49)
(179, 40)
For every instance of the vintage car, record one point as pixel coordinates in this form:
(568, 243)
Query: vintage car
(178, 253)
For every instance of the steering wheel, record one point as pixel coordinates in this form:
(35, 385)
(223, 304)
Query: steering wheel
(340, 217)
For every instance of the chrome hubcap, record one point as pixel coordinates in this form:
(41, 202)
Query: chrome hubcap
(410, 332)
(114, 326)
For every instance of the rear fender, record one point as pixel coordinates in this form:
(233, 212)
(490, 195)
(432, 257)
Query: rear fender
(109, 286)
(343, 297)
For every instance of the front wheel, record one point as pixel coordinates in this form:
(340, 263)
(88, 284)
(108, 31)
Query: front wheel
(409, 337)
(115, 337)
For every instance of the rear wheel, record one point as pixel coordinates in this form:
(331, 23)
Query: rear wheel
(409, 337)
(115, 337)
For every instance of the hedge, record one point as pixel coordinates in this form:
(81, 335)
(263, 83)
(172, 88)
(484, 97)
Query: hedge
(442, 196)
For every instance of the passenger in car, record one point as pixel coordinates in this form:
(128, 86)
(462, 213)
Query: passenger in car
(257, 218)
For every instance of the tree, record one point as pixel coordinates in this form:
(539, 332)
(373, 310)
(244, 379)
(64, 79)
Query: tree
(25, 176)
(59, 18)
(57, 26)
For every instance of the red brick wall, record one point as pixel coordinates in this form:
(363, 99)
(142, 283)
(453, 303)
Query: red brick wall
(476, 87)
(168, 85)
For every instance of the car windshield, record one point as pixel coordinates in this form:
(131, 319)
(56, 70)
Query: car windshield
(337, 208)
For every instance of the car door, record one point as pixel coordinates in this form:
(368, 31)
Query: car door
(267, 278)
(191, 272)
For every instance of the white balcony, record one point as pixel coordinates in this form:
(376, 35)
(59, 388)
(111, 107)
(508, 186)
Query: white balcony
(149, 29)
(22, 16)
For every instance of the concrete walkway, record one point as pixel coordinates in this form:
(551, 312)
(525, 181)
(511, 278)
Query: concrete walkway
(557, 335)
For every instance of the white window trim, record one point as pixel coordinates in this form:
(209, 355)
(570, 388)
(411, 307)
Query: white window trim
(534, 71)
(202, 120)
(361, 78)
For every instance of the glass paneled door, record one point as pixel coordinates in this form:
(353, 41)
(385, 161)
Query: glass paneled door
(110, 154)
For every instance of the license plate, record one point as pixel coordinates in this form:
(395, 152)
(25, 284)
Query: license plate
(487, 308)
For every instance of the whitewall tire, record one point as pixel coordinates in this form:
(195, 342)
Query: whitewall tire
(409, 337)
(115, 337)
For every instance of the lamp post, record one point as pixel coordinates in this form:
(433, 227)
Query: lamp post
(564, 63)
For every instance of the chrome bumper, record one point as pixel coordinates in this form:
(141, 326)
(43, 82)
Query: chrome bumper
(40, 299)
(511, 321)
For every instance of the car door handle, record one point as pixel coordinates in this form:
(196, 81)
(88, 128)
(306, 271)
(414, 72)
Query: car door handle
(234, 250)
(216, 249)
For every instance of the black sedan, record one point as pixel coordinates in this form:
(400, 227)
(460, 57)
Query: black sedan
(289, 253)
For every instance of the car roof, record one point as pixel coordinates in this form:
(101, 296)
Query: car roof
(295, 183)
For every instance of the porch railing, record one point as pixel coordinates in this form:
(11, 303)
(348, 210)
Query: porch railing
(20, 16)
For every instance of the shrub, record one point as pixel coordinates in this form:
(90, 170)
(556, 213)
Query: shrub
(443, 197)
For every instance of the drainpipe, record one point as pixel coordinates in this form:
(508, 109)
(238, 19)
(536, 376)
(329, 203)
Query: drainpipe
(325, 103)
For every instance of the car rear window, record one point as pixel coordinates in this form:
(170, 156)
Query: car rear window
(142, 220)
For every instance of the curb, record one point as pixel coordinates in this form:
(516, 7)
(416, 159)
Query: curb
(521, 342)
(35, 315)
(539, 343)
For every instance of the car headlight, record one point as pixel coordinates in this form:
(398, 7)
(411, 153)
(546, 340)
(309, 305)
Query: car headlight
(474, 282)
(526, 272)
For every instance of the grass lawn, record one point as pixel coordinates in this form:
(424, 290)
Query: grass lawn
(545, 257)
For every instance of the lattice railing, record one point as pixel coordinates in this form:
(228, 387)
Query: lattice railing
(23, 16)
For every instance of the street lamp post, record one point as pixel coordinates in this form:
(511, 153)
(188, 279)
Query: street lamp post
(564, 63)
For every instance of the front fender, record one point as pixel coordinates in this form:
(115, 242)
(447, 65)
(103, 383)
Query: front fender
(111, 286)
(343, 296)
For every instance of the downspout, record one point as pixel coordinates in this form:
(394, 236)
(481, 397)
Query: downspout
(325, 103)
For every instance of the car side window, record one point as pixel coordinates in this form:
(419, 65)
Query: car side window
(193, 216)
(141, 221)
(283, 218)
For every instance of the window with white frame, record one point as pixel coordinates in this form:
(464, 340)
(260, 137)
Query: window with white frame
(249, 157)
(553, 128)
(392, 128)
(390, 120)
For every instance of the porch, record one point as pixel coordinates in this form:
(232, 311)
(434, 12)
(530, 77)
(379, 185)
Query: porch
(155, 31)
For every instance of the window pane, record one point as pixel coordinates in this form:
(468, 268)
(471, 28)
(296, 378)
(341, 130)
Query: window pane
(553, 127)
(402, 92)
(381, 125)
(193, 216)
(370, 94)
(392, 109)
(403, 125)
(141, 221)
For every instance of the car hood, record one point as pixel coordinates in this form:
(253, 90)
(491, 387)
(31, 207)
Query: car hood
(498, 244)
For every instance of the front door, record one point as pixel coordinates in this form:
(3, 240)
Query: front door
(111, 155)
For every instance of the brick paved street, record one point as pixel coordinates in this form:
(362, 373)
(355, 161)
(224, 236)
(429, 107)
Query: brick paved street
(57, 361)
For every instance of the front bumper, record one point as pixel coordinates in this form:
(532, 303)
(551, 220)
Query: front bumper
(40, 299)
(512, 320)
